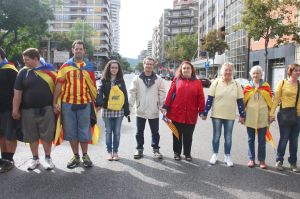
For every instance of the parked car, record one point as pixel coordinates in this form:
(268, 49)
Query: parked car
(242, 81)
(205, 81)
(169, 77)
(162, 75)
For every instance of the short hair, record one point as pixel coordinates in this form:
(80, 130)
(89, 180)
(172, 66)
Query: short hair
(2, 53)
(106, 71)
(291, 68)
(148, 58)
(32, 53)
(78, 42)
(256, 68)
(222, 70)
(179, 70)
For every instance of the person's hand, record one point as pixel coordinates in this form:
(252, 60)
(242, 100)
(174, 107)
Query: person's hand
(56, 108)
(242, 120)
(16, 115)
(271, 119)
(98, 108)
(164, 111)
(204, 117)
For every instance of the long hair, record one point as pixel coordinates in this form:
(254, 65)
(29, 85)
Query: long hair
(179, 70)
(106, 71)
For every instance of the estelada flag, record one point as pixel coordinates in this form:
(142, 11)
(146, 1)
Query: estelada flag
(90, 79)
(171, 126)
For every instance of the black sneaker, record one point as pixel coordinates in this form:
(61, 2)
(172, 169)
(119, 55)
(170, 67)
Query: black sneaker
(138, 154)
(6, 166)
(74, 162)
(87, 161)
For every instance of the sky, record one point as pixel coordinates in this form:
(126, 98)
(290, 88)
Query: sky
(137, 20)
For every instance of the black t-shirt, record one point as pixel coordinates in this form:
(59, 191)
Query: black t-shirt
(7, 80)
(36, 91)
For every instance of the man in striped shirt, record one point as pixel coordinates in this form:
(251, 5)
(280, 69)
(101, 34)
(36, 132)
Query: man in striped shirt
(76, 88)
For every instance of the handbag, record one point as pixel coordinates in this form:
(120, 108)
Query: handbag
(288, 116)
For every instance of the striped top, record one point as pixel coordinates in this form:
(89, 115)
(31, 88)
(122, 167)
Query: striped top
(75, 89)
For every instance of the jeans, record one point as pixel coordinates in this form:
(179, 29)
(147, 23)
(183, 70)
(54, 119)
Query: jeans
(186, 136)
(112, 129)
(217, 128)
(291, 134)
(261, 139)
(154, 126)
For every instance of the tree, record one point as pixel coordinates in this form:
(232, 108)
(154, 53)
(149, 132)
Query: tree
(139, 67)
(270, 19)
(214, 42)
(83, 31)
(22, 23)
(182, 47)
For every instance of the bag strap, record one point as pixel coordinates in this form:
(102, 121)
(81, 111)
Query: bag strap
(297, 93)
(297, 97)
(281, 93)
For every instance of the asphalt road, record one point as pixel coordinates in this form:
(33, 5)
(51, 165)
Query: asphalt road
(151, 178)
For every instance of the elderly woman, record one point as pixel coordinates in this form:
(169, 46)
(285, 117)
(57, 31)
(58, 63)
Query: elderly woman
(184, 102)
(258, 102)
(224, 93)
(288, 92)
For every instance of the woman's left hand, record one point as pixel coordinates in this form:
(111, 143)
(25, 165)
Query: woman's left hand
(242, 120)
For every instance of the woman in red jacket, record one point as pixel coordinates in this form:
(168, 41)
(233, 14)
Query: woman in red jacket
(185, 100)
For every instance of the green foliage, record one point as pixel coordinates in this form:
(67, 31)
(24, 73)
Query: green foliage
(214, 42)
(139, 67)
(22, 24)
(269, 19)
(182, 47)
(83, 31)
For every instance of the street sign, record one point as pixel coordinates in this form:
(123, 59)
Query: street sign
(61, 56)
(206, 64)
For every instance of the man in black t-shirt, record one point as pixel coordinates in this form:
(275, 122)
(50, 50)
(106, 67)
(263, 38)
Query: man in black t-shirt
(8, 135)
(32, 104)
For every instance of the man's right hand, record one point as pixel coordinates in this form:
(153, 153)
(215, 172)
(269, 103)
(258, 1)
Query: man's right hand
(16, 115)
(204, 117)
(56, 108)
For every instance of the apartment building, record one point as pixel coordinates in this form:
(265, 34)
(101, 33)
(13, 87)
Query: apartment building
(182, 19)
(211, 16)
(96, 13)
(115, 22)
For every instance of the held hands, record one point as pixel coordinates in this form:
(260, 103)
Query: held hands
(204, 117)
(242, 120)
(163, 111)
(56, 108)
(271, 119)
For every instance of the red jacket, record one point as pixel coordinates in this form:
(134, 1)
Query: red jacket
(188, 102)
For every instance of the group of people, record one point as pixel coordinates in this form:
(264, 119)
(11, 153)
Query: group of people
(48, 106)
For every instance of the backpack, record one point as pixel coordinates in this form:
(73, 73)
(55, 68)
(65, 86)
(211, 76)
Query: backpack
(116, 99)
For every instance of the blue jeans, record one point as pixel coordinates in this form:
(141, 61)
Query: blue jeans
(76, 123)
(261, 139)
(217, 128)
(112, 129)
(154, 126)
(291, 134)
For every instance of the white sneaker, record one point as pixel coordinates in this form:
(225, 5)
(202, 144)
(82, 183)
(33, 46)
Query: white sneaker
(33, 164)
(48, 164)
(228, 161)
(213, 159)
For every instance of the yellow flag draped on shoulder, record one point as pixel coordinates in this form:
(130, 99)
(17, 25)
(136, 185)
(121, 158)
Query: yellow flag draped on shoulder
(265, 91)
